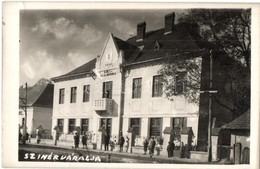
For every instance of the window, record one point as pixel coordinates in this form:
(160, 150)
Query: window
(86, 93)
(107, 90)
(60, 124)
(73, 95)
(157, 86)
(180, 82)
(155, 127)
(84, 125)
(137, 88)
(135, 123)
(62, 95)
(106, 123)
(178, 124)
(72, 123)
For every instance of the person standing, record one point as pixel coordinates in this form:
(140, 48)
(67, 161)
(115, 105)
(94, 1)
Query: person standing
(76, 140)
(172, 150)
(84, 140)
(152, 146)
(145, 144)
(121, 142)
(127, 143)
(107, 138)
(169, 149)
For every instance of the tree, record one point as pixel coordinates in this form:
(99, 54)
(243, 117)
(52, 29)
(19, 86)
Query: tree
(228, 33)
(230, 29)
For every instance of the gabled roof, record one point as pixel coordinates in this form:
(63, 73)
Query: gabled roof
(85, 68)
(129, 49)
(242, 122)
(38, 95)
(182, 39)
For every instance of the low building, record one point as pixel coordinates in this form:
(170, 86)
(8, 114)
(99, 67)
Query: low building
(39, 107)
(240, 138)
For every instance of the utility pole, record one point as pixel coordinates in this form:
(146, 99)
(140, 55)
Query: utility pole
(210, 91)
(24, 100)
(210, 105)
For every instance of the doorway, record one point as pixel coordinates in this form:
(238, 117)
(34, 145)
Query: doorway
(105, 123)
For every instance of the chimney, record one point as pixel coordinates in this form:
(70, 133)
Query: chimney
(169, 23)
(140, 31)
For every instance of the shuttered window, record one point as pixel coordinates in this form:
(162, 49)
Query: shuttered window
(155, 127)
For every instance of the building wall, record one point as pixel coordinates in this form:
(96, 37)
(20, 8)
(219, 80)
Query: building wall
(107, 69)
(36, 116)
(148, 107)
(76, 110)
(42, 116)
(242, 137)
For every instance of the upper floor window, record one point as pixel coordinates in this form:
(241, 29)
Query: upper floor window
(86, 93)
(157, 86)
(180, 82)
(61, 96)
(73, 95)
(137, 88)
(107, 90)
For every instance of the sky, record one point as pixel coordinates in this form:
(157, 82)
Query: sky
(54, 42)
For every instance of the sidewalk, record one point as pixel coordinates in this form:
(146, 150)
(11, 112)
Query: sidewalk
(124, 154)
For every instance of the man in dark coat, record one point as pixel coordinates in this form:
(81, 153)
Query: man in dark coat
(145, 143)
(76, 140)
(152, 146)
(121, 142)
(84, 140)
(107, 138)
(169, 149)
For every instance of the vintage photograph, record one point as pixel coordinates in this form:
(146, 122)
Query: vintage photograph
(149, 86)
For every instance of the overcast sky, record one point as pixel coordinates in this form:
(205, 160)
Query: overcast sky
(54, 42)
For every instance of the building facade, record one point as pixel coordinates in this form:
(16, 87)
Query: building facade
(39, 108)
(121, 91)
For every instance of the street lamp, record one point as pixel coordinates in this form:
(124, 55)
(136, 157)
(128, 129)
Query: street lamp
(24, 101)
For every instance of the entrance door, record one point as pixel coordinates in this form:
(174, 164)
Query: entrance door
(106, 123)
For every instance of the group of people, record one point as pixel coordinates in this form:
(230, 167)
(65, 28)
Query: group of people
(149, 145)
(27, 137)
(84, 139)
(122, 142)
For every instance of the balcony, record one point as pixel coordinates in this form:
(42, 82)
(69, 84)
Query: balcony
(104, 104)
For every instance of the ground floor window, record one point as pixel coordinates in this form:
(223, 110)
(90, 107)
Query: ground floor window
(72, 123)
(135, 123)
(84, 125)
(155, 127)
(60, 123)
(106, 123)
(178, 123)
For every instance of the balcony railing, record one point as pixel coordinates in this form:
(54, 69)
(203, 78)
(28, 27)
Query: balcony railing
(104, 104)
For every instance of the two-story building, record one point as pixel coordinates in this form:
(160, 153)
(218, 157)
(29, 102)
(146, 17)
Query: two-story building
(122, 88)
